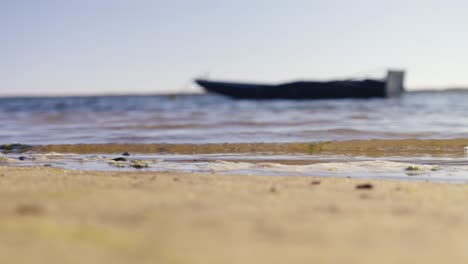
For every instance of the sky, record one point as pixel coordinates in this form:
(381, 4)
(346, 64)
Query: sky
(72, 47)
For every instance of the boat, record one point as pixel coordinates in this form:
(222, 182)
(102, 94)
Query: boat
(391, 86)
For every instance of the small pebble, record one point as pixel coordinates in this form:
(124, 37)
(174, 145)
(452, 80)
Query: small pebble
(364, 186)
(314, 182)
(47, 165)
(125, 154)
(273, 190)
(29, 209)
(22, 158)
(139, 166)
(119, 165)
(413, 168)
(120, 159)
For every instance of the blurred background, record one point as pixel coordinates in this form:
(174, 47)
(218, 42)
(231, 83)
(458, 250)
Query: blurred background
(100, 47)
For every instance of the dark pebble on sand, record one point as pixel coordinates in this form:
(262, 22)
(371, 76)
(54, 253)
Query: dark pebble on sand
(125, 154)
(29, 209)
(364, 186)
(120, 159)
(22, 158)
(273, 190)
(47, 165)
(314, 182)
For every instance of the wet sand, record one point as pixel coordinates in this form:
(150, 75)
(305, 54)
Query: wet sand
(371, 148)
(50, 215)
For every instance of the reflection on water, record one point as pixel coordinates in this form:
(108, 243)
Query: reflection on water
(213, 119)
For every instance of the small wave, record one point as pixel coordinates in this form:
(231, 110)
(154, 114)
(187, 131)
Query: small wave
(376, 166)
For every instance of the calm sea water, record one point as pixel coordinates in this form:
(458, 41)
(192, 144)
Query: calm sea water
(216, 119)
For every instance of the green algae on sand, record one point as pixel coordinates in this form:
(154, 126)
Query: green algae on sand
(16, 147)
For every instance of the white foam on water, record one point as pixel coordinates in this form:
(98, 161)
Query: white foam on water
(377, 166)
(7, 160)
(360, 167)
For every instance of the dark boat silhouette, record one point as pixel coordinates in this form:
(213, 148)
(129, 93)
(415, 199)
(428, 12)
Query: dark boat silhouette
(391, 86)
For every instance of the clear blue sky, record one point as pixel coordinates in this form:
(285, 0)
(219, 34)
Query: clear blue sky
(112, 46)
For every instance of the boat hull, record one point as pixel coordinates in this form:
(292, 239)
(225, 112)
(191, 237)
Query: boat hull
(309, 89)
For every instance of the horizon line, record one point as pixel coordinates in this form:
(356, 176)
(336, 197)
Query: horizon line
(61, 95)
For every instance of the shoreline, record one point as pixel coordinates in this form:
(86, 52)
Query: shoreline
(421, 160)
(161, 217)
(371, 147)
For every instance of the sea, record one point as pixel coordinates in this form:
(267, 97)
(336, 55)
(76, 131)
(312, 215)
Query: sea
(423, 132)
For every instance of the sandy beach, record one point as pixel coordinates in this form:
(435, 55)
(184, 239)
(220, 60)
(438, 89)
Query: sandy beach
(233, 132)
(51, 215)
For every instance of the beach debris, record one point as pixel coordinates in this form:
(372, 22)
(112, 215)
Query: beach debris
(413, 168)
(364, 186)
(315, 182)
(29, 209)
(139, 164)
(125, 154)
(435, 168)
(119, 164)
(22, 158)
(120, 159)
(47, 165)
(123, 162)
